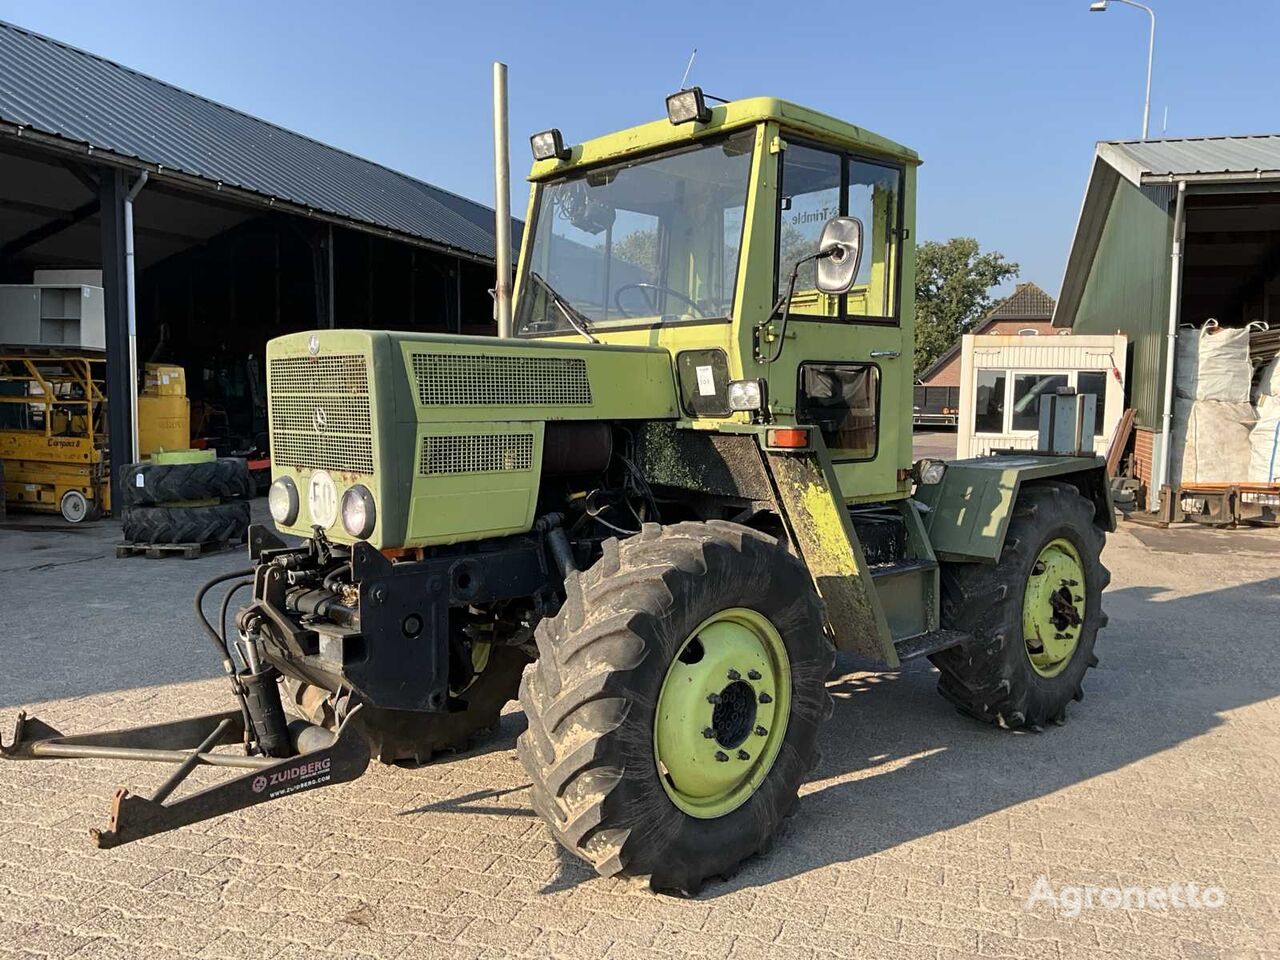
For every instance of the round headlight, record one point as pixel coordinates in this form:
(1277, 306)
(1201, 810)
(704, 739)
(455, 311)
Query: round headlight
(358, 513)
(282, 500)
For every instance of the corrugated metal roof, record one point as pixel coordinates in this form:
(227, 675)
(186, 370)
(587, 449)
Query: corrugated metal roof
(1201, 157)
(57, 89)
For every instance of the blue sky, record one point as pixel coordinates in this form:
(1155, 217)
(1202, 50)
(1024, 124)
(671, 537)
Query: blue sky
(1003, 100)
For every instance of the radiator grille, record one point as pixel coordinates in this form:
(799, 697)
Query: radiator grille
(320, 413)
(487, 453)
(480, 380)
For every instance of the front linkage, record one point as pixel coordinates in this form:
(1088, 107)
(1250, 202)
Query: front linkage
(280, 758)
(312, 611)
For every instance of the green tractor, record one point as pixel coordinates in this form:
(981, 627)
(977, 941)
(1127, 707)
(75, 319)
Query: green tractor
(654, 514)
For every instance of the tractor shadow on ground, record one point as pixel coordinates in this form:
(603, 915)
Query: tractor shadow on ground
(1167, 671)
(900, 763)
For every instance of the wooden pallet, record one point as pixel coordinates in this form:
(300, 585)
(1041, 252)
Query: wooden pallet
(186, 551)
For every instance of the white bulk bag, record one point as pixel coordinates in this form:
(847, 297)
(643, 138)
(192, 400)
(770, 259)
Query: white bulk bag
(1264, 443)
(1211, 441)
(1269, 380)
(1212, 363)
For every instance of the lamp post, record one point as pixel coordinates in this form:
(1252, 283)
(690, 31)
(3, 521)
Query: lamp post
(1100, 6)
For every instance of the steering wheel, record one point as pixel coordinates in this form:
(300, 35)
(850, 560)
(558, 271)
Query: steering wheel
(649, 291)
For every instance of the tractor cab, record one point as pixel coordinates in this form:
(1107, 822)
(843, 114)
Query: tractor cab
(762, 244)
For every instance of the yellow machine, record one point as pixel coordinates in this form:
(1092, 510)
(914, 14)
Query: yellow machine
(53, 432)
(164, 412)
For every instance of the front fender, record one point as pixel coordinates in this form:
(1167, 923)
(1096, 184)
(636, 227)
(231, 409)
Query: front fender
(969, 510)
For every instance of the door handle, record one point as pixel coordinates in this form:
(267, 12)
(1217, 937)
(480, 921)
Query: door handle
(885, 353)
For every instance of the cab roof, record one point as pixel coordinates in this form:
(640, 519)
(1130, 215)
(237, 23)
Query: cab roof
(736, 115)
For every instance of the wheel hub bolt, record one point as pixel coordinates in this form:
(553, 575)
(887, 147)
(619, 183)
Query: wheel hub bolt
(722, 757)
(734, 675)
(709, 733)
(753, 674)
(743, 755)
(765, 698)
(761, 731)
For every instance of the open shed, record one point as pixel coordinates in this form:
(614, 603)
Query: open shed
(1172, 233)
(240, 230)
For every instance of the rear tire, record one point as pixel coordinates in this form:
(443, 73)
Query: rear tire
(144, 484)
(1004, 676)
(212, 524)
(596, 702)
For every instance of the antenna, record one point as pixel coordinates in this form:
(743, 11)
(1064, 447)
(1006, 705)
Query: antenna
(688, 68)
(1164, 127)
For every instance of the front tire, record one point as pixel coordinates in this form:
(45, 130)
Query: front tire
(409, 738)
(1033, 616)
(675, 704)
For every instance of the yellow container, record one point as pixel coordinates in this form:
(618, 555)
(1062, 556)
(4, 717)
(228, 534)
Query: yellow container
(164, 380)
(164, 423)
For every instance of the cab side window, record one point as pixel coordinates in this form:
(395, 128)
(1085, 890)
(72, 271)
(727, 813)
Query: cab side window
(874, 190)
(842, 400)
(817, 185)
(811, 195)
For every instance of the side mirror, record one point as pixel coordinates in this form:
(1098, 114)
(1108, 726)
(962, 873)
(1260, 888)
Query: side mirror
(840, 254)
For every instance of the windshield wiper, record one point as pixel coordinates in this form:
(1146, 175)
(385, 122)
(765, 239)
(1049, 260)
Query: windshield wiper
(575, 317)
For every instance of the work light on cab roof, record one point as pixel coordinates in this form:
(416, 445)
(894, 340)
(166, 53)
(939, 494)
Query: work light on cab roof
(549, 145)
(688, 106)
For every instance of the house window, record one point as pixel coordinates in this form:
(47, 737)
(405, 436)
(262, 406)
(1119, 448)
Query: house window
(1095, 382)
(1028, 388)
(1028, 332)
(989, 408)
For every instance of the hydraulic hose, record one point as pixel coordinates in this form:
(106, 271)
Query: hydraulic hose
(226, 604)
(214, 637)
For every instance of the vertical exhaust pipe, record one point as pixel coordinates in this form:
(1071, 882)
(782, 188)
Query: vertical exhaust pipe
(502, 201)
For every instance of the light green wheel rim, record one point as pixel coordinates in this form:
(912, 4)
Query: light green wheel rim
(1053, 607)
(480, 653)
(722, 713)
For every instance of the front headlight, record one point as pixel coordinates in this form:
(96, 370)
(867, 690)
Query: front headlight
(282, 500)
(358, 513)
(746, 395)
(930, 472)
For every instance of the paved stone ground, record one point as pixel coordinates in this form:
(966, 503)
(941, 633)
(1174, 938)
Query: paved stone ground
(921, 836)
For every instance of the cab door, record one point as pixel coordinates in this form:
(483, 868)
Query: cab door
(848, 356)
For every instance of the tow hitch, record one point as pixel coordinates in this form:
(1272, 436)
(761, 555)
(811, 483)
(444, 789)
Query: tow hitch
(189, 743)
(279, 758)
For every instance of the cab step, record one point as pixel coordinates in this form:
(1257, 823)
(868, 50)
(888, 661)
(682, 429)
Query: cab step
(928, 643)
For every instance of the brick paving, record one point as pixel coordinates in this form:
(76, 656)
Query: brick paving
(921, 835)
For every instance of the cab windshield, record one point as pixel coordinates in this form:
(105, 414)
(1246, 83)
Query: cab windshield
(642, 242)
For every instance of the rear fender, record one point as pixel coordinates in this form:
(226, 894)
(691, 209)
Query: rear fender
(968, 512)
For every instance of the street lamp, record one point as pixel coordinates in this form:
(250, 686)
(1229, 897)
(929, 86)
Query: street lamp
(1100, 6)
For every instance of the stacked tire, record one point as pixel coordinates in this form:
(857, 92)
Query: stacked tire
(204, 502)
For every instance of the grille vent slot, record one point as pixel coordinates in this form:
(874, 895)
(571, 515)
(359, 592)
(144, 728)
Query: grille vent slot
(481, 453)
(486, 380)
(320, 417)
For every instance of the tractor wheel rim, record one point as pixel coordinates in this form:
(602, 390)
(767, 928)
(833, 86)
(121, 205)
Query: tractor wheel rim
(722, 713)
(1053, 607)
